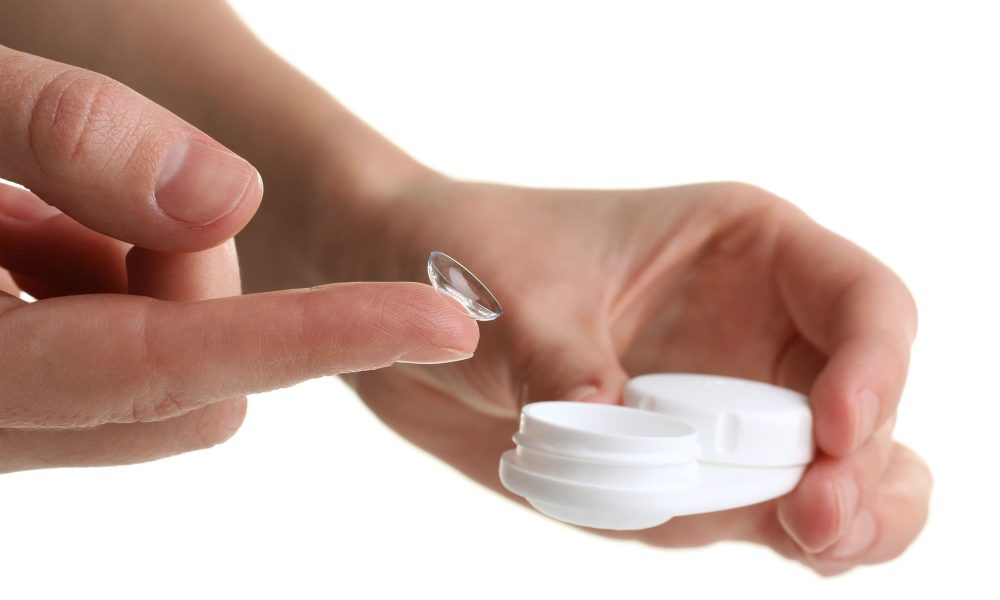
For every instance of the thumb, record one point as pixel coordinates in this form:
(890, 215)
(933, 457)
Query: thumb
(575, 362)
(117, 162)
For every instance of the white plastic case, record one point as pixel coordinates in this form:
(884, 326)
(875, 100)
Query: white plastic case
(682, 444)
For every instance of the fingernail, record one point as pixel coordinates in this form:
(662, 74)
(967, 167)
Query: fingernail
(866, 414)
(858, 539)
(199, 184)
(787, 524)
(582, 393)
(847, 496)
(433, 356)
(26, 207)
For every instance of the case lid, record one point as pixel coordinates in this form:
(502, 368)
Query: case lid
(739, 422)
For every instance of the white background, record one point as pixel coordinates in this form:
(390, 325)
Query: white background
(879, 118)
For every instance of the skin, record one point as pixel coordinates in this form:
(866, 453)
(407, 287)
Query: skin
(717, 278)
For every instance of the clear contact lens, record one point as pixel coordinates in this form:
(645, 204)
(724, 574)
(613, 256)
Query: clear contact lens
(449, 277)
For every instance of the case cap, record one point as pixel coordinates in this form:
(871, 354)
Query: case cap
(739, 422)
(601, 465)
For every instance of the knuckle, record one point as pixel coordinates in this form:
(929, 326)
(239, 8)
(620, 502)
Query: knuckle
(165, 407)
(750, 203)
(78, 114)
(157, 399)
(752, 195)
(742, 219)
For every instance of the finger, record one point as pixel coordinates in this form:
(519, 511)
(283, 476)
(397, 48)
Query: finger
(170, 357)
(798, 365)
(212, 273)
(116, 162)
(195, 276)
(34, 287)
(7, 284)
(182, 277)
(825, 504)
(857, 312)
(120, 444)
(889, 523)
(49, 250)
(568, 359)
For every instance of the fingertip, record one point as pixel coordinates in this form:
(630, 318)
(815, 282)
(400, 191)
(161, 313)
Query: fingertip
(446, 323)
(567, 361)
(811, 515)
(397, 322)
(888, 523)
(186, 276)
(22, 206)
(433, 356)
(841, 425)
(178, 236)
(206, 189)
(860, 536)
(584, 393)
(609, 394)
(227, 420)
(866, 409)
(857, 391)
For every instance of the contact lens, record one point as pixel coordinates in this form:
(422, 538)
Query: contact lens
(450, 278)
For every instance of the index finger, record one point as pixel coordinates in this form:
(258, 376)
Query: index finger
(857, 312)
(88, 360)
(117, 162)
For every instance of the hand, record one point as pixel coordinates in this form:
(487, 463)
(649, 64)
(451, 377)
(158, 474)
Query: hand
(721, 278)
(599, 286)
(140, 205)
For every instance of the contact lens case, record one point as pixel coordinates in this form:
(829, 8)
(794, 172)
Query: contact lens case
(681, 444)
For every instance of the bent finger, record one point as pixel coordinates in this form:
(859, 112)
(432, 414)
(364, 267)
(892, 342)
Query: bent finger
(194, 276)
(890, 522)
(54, 252)
(569, 358)
(857, 312)
(825, 504)
(212, 273)
(120, 444)
(7, 284)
